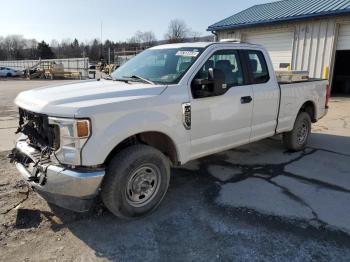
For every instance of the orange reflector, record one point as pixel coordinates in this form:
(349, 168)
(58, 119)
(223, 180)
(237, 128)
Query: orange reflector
(83, 128)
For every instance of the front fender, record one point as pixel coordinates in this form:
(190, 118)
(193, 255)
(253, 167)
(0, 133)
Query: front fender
(108, 134)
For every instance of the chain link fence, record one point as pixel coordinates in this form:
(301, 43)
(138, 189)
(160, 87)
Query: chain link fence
(78, 65)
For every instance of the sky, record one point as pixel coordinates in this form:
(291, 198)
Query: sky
(69, 19)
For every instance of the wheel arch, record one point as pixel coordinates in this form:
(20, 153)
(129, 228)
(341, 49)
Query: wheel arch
(310, 108)
(156, 139)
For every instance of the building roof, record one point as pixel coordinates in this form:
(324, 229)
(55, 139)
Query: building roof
(281, 11)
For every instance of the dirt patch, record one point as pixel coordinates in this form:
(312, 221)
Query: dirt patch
(28, 223)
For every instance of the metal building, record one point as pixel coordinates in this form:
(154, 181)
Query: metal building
(310, 35)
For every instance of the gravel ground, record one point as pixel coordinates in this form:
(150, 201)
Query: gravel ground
(254, 203)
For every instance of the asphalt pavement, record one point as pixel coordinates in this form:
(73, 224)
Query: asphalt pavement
(258, 202)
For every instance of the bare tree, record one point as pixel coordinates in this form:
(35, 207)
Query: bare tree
(2, 49)
(195, 35)
(149, 38)
(14, 45)
(54, 43)
(94, 52)
(136, 38)
(140, 38)
(177, 31)
(31, 46)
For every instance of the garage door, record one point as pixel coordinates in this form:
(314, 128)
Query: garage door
(344, 38)
(279, 45)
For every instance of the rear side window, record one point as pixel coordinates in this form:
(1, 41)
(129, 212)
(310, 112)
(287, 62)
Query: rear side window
(257, 67)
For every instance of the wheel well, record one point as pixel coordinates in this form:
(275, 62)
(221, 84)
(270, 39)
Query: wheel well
(157, 140)
(309, 107)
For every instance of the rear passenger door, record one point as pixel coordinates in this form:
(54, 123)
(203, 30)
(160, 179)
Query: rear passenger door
(265, 94)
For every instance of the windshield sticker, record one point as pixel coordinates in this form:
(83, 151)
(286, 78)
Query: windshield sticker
(187, 53)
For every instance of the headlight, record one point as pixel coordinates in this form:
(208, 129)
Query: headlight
(73, 135)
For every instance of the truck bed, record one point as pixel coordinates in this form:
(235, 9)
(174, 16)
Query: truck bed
(294, 95)
(304, 81)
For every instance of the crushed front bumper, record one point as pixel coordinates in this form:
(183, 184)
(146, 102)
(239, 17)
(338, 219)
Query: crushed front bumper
(68, 188)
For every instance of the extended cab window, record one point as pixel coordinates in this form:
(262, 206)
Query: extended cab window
(222, 66)
(257, 67)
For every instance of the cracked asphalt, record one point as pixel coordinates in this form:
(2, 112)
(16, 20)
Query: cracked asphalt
(253, 203)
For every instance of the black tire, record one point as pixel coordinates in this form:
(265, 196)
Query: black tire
(121, 185)
(296, 140)
(8, 75)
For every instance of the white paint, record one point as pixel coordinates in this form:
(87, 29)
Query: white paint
(344, 37)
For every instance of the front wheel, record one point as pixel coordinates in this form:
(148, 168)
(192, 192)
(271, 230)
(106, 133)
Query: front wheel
(296, 139)
(136, 181)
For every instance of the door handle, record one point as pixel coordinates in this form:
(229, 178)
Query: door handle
(246, 99)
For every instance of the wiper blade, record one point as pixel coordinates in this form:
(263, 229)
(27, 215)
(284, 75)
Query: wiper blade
(140, 78)
(121, 80)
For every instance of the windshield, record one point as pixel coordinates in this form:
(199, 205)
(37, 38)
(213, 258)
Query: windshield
(161, 66)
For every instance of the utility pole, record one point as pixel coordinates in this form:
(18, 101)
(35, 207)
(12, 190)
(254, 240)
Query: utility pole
(101, 52)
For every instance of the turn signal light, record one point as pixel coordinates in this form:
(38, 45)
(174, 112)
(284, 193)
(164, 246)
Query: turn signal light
(83, 128)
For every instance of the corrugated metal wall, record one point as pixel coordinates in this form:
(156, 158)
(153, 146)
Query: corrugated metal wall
(313, 46)
(314, 42)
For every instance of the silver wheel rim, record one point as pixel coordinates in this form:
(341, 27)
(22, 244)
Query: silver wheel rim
(302, 132)
(143, 185)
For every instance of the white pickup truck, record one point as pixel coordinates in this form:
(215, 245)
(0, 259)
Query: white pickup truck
(118, 138)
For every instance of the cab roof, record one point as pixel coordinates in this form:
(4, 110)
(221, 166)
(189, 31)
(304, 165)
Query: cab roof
(197, 44)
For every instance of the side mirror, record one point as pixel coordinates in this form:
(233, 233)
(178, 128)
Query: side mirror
(218, 79)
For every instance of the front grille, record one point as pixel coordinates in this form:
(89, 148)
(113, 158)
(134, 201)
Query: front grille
(41, 135)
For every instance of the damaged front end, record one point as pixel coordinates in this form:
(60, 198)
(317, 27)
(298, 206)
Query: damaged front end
(40, 133)
(41, 140)
(35, 157)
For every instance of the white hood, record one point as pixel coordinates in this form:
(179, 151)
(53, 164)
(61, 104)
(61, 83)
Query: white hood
(68, 100)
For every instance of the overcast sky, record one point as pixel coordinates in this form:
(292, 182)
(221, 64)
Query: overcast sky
(62, 19)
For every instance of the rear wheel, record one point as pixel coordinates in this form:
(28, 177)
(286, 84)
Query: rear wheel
(136, 181)
(296, 139)
(8, 75)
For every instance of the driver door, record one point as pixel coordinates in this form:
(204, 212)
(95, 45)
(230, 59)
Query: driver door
(223, 121)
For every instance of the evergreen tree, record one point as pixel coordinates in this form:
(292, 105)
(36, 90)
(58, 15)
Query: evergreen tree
(44, 51)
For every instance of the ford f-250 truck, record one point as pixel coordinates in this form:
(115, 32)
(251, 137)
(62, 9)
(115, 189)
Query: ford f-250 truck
(118, 138)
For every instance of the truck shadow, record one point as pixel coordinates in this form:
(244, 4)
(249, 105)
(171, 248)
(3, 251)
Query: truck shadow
(192, 224)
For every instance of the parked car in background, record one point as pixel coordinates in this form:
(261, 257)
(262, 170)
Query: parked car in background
(92, 66)
(9, 72)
